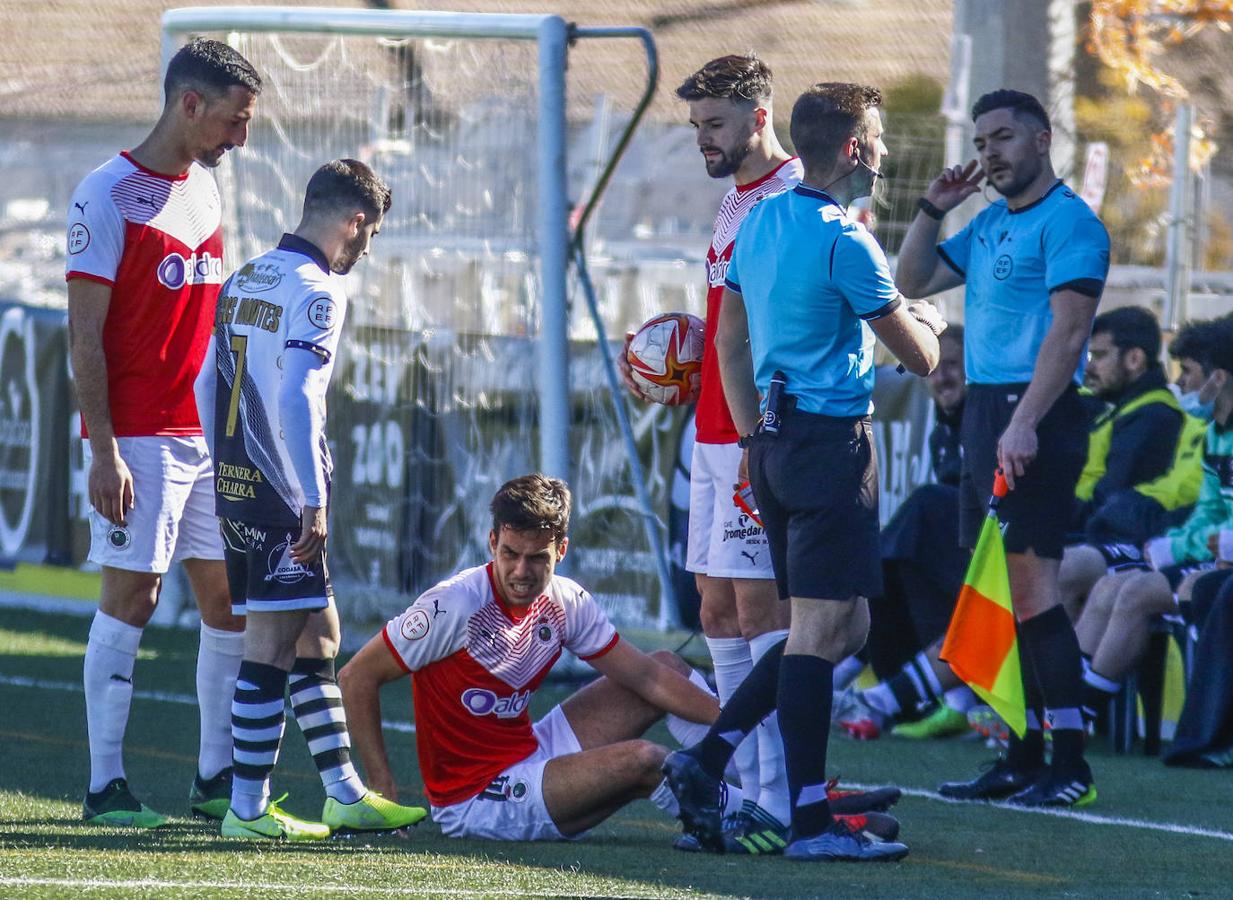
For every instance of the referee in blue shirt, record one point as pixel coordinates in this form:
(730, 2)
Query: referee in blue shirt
(1034, 263)
(808, 288)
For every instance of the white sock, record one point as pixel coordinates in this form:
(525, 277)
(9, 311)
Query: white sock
(847, 672)
(881, 698)
(219, 654)
(772, 771)
(688, 733)
(249, 798)
(960, 698)
(663, 797)
(925, 667)
(111, 651)
(733, 663)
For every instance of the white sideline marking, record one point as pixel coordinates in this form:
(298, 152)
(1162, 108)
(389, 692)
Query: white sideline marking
(280, 888)
(409, 728)
(1078, 815)
(161, 696)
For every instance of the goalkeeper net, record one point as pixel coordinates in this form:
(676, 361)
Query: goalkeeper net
(434, 402)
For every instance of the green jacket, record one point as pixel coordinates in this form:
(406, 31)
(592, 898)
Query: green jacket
(1214, 509)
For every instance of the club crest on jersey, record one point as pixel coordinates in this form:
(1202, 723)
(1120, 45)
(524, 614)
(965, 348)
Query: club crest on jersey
(176, 271)
(482, 702)
(414, 625)
(544, 632)
(282, 568)
(321, 312)
(78, 238)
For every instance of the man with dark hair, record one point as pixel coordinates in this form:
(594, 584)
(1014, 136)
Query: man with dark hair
(1136, 475)
(1034, 264)
(806, 291)
(478, 645)
(729, 102)
(261, 398)
(1113, 630)
(144, 263)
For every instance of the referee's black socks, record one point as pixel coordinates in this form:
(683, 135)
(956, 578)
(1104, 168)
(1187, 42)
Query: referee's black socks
(753, 701)
(1050, 640)
(805, 687)
(1027, 754)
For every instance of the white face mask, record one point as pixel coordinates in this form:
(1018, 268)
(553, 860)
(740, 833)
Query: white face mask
(1193, 403)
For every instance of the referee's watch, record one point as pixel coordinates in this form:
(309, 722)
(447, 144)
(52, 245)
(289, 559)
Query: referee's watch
(744, 440)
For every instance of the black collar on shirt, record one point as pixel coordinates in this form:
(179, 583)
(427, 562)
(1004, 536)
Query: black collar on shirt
(297, 244)
(1150, 380)
(1039, 200)
(806, 191)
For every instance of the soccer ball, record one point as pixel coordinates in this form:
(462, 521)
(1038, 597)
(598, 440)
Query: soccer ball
(666, 358)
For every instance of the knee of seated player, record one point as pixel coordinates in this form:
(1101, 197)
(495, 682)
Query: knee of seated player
(672, 661)
(1145, 595)
(645, 759)
(1081, 568)
(129, 596)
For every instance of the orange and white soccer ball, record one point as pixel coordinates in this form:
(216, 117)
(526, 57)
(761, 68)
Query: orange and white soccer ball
(666, 358)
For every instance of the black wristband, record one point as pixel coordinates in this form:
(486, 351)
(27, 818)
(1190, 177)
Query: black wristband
(743, 441)
(930, 210)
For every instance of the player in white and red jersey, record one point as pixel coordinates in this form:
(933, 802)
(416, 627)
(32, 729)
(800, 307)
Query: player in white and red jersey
(730, 107)
(144, 265)
(478, 645)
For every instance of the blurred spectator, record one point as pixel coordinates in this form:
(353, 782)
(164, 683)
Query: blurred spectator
(922, 570)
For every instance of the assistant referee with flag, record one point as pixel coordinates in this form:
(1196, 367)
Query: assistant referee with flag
(1034, 263)
(807, 290)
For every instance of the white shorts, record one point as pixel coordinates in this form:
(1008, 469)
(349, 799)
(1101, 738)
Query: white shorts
(723, 541)
(173, 507)
(512, 807)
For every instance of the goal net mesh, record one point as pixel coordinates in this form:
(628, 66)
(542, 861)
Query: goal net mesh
(433, 404)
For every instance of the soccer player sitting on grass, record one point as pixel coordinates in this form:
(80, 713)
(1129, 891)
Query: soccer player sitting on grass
(261, 398)
(478, 645)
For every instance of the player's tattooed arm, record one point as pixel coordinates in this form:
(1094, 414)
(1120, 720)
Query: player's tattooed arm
(109, 483)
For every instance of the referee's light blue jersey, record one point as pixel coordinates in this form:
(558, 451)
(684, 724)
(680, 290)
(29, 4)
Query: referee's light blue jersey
(1012, 261)
(811, 278)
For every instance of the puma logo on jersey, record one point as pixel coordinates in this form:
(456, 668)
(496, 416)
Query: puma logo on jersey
(81, 206)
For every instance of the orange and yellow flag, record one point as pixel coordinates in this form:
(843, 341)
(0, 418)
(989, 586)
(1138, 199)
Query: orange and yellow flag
(981, 646)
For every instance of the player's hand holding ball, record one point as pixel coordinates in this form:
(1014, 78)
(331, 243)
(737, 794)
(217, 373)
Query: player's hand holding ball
(927, 314)
(663, 359)
(954, 186)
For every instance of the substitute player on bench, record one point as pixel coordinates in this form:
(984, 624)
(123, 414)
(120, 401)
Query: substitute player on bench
(261, 396)
(1034, 264)
(478, 645)
(144, 264)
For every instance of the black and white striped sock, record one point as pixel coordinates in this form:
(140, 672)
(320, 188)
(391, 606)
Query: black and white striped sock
(318, 707)
(257, 722)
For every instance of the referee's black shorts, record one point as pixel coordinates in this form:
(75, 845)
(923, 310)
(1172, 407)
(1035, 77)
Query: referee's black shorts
(816, 484)
(1037, 512)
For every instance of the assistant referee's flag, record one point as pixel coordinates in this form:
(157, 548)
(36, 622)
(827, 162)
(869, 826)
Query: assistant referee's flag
(981, 646)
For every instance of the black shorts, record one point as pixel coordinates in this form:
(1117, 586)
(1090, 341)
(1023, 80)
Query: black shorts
(1037, 512)
(816, 483)
(263, 577)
